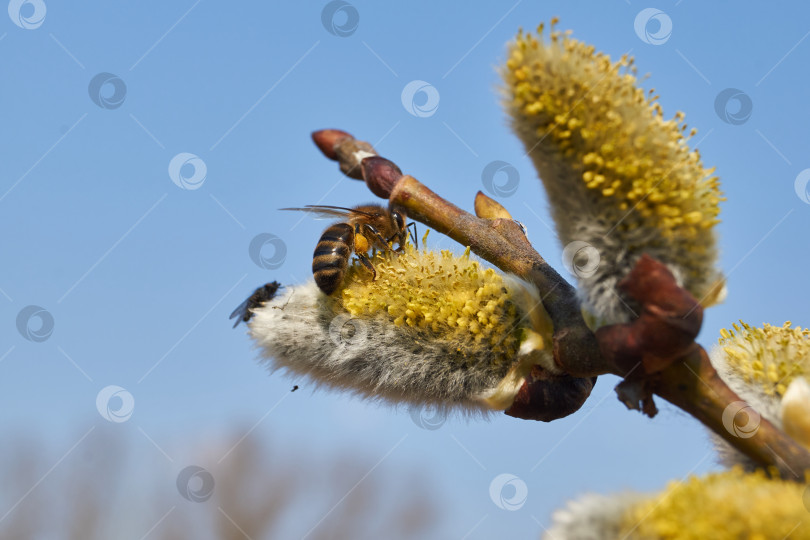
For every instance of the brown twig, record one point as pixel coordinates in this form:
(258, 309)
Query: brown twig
(500, 241)
(655, 354)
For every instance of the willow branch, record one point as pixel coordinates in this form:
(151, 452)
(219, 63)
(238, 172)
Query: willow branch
(500, 241)
(654, 354)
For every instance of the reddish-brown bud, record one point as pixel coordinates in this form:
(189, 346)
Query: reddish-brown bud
(666, 328)
(546, 397)
(381, 175)
(327, 139)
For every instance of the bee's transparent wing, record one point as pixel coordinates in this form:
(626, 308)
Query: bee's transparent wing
(328, 212)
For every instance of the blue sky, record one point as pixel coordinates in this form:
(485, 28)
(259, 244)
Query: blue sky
(139, 275)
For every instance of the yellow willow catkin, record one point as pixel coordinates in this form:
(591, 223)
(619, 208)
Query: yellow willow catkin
(729, 505)
(440, 296)
(620, 178)
(769, 358)
(725, 506)
(432, 328)
(767, 367)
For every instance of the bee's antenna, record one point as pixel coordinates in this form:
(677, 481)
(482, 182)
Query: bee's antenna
(414, 234)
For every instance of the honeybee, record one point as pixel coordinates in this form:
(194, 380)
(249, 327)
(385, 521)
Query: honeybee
(362, 228)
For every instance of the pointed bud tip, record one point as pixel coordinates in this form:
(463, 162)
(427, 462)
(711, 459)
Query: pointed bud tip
(327, 139)
(488, 208)
(381, 175)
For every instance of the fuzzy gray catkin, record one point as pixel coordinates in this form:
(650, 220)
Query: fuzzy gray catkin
(432, 329)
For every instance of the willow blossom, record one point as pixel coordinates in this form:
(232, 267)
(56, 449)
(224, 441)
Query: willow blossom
(620, 178)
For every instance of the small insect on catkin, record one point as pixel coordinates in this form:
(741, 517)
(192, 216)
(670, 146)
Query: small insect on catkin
(768, 367)
(433, 329)
(621, 180)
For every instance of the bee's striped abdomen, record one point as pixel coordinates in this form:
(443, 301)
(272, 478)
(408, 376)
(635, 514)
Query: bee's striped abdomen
(332, 255)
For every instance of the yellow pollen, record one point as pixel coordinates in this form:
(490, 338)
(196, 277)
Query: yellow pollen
(770, 357)
(729, 504)
(440, 297)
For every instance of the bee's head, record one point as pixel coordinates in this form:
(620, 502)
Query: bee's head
(401, 231)
(399, 220)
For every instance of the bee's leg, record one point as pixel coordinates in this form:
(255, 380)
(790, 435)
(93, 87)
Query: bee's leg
(364, 259)
(374, 233)
(402, 236)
